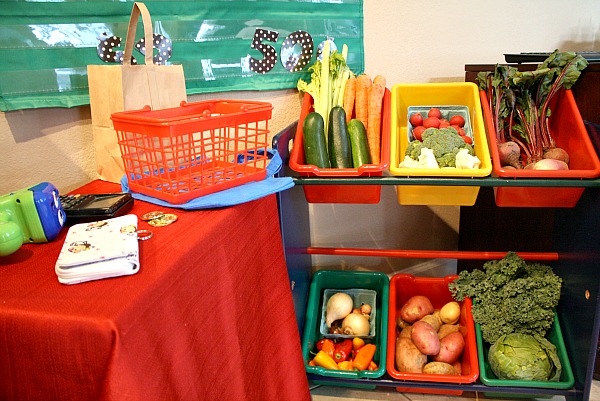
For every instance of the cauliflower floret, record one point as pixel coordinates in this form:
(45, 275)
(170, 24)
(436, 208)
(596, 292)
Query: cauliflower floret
(465, 160)
(425, 160)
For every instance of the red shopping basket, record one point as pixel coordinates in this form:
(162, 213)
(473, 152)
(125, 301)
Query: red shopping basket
(181, 153)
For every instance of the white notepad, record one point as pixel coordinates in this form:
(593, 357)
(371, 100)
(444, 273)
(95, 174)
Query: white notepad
(97, 250)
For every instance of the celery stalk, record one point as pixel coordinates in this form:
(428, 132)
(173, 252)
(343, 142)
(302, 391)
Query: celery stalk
(325, 92)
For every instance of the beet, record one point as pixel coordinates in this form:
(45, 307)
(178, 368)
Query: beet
(557, 154)
(510, 154)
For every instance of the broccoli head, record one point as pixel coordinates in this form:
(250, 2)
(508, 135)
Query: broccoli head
(442, 141)
(445, 144)
(414, 149)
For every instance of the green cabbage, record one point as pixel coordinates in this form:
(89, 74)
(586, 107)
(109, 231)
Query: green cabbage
(519, 356)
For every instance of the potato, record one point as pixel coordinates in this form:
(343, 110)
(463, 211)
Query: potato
(457, 367)
(425, 338)
(408, 357)
(405, 332)
(446, 329)
(439, 368)
(451, 348)
(401, 323)
(432, 320)
(415, 308)
(450, 312)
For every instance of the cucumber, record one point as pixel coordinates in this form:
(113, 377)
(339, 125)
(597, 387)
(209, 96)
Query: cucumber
(340, 152)
(315, 148)
(359, 144)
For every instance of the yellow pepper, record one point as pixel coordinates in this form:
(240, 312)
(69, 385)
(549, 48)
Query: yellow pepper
(357, 343)
(345, 365)
(325, 361)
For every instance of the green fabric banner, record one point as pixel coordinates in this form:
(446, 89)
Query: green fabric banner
(45, 46)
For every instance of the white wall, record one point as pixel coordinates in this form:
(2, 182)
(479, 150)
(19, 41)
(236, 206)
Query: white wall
(405, 41)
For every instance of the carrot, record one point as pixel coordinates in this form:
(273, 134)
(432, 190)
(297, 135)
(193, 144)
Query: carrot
(379, 79)
(374, 126)
(349, 95)
(361, 103)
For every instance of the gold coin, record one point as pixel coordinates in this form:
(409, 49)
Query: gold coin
(163, 220)
(169, 217)
(152, 215)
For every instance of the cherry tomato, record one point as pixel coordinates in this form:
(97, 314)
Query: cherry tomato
(431, 122)
(458, 129)
(418, 132)
(467, 139)
(457, 120)
(416, 119)
(434, 112)
(444, 123)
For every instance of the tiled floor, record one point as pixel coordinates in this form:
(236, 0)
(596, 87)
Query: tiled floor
(331, 393)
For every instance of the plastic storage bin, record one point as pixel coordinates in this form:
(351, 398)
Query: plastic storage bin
(369, 194)
(487, 377)
(436, 94)
(346, 280)
(569, 132)
(404, 286)
(182, 153)
(359, 297)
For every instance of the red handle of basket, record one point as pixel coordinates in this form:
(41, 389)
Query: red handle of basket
(139, 8)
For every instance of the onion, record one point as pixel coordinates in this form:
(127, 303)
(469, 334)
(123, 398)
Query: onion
(339, 306)
(356, 325)
(550, 164)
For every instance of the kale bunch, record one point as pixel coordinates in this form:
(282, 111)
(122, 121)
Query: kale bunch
(510, 296)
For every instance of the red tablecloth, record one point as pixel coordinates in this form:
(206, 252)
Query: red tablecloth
(209, 316)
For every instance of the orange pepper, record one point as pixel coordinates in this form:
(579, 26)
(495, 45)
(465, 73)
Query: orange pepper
(345, 365)
(372, 366)
(326, 345)
(312, 363)
(357, 343)
(364, 356)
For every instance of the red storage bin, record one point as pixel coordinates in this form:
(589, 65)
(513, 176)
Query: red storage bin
(369, 194)
(403, 287)
(569, 132)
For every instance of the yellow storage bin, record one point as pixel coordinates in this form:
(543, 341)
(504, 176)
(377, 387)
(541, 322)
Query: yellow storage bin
(436, 94)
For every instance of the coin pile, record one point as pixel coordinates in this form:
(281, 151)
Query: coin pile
(159, 219)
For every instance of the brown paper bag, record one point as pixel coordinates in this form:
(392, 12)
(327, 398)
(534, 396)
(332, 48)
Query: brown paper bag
(119, 87)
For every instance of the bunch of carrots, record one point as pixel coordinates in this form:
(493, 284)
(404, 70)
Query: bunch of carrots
(333, 84)
(364, 97)
(348, 354)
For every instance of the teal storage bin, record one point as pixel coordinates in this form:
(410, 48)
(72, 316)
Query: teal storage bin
(345, 280)
(487, 377)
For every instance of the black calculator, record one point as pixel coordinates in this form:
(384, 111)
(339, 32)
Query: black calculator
(84, 208)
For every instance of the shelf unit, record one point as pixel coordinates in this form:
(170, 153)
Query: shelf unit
(573, 251)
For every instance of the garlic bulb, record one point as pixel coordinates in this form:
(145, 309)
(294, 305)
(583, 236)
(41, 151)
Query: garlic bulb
(339, 306)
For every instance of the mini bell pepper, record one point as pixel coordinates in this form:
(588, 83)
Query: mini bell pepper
(346, 365)
(357, 343)
(342, 350)
(364, 356)
(328, 346)
(372, 366)
(325, 361)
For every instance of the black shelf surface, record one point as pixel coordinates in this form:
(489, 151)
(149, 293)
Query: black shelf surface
(387, 381)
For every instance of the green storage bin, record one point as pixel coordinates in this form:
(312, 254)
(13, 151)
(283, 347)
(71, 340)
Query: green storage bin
(487, 377)
(345, 280)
